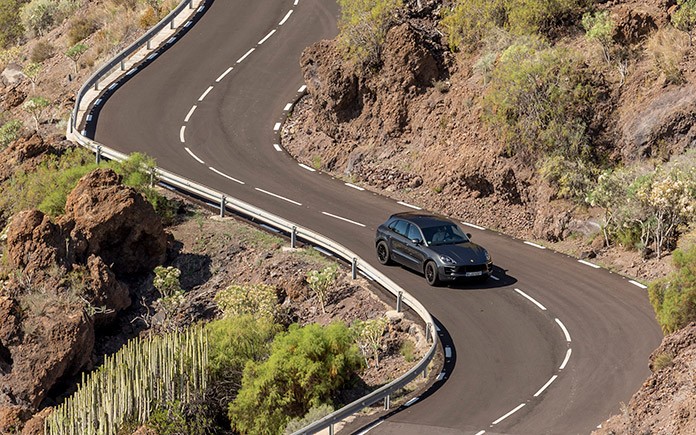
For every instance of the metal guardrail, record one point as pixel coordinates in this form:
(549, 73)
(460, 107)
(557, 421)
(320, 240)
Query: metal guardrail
(228, 202)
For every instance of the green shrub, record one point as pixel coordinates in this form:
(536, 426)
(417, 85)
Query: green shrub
(42, 51)
(314, 414)
(306, 366)
(684, 18)
(258, 300)
(81, 28)
(9, 132)
(363, 26)
(176, 417)
(541, 100)
(571, 178)
(321, 281)
(662, 360)
(39, 16)
(600, 27)
(408, 350)
(674, 297)
(11, 29)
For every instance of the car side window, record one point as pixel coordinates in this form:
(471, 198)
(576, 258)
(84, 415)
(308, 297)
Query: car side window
(413, 233)
(400, 227)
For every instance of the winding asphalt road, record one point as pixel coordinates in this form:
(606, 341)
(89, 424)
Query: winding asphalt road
(552, 345)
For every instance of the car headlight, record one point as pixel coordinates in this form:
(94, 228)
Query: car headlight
(488, 257)
(446, 259)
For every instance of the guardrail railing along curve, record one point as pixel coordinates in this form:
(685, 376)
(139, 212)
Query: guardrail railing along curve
(230, 203)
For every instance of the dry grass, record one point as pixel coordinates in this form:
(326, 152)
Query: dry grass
(667, 48)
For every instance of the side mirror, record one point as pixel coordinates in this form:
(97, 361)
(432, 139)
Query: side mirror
(417, 241)
(468, 235)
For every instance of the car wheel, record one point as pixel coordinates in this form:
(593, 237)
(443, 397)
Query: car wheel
(430, 273)
(383, 254)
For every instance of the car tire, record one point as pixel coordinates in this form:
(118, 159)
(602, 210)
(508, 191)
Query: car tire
(430, 272)
(383, 254)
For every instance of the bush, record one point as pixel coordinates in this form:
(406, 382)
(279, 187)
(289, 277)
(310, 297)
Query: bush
(314, 414)
(42, 50)
(258, 300)
(571, 178)
(9, 132)
(363, 26)
(81, 28)
(667, 48)
(541, 100)
(11, 29)
(39, 16)
(148, 18)
(306, 366)
(468, 22)
(674, 297)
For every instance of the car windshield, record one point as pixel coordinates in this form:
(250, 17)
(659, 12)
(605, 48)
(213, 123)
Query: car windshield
(447, 234)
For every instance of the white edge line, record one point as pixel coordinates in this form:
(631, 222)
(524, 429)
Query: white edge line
(267, 36)
(411, 402)
(287, 107)
(222, 76)
(587, 263)
(285, 18)
(441, 376)
(353, 186)
(481, 432)
(182, 137)
(277, 126)
(277, 147)
(343, 219)
(565, 331)
(637, 284)
(534, 301)
(534, 244)
(251, 50)
(566, 359)
(509, 413)
(310, 169)
(190, 113)
(194, 156)
(405, 204)
(225, 175)
(546, 385)
(278, 196)
(370, 428)
(302, 88)
(205, 94)
(448, 352)
(478, 227)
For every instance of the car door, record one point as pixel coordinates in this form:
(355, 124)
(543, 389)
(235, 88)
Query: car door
(397, 241)
(415, 247)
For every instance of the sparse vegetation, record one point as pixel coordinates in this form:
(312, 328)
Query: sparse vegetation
(11, 29)
(368, 335)
(258, 300)
(684, 18)
(663, 360)
(9, 132)
(320, 282)
(674, 297)
(667, 48)
(36, 107)
(75, 53)
(363, 27)
(42, 51)
(600, 27)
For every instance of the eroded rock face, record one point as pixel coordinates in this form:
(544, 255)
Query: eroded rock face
(115, 223)
(35, 243)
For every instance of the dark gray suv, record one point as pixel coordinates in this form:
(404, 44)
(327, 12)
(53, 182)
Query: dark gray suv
(432, 245)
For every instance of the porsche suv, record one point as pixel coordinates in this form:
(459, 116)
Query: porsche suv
(432, 245)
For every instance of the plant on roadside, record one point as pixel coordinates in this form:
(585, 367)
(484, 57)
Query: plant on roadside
(320, 282)
(363, 27)
(36, 106)
(257, 300)
(674, 296)
(368, 336)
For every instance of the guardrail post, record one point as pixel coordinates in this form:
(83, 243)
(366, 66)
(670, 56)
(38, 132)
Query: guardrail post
(222, 206)
(354, 268)
(171, 24)
(123, 65)
(399, 298)
(190, 4)
(96, 85)
(387, 402)
(98, 154)
(428, 328)
(148, 45)
(331, 429)
(293, 237)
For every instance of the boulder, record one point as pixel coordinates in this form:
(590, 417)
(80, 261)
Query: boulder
(34, 243)
(104, 292)
(114, 222)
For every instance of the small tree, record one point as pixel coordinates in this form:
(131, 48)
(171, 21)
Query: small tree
(600, 27)
(674, 297)
(36, 106)
(9, 132)
(75, 52)
(31, 71)
(320, 282)
(684, 18)
(368, 335)
(166, 281)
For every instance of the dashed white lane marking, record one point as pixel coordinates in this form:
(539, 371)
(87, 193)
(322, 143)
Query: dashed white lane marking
(310, 169)
(353, 186)
(190, 113)
(411, 402)
(535, 245)
(370, 428)
(194, 156)
(267, 36)
(296, 2)
(225, 175)
(302, 88)
(637, 284)
(287, 107)
(481, 432)
(277, 147)
(534, 301)
(473, 226)
(285, 18)
(405, 204)
(448, 352)
(509, 413)
(566, 359)
(276, 127)
(278, 196)
(223, 75)
(587, 263)
(205, 94)
(565, 331)
(251, 50)
(182, 137)
(546, 385)
(441, 376)
(343, 219)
